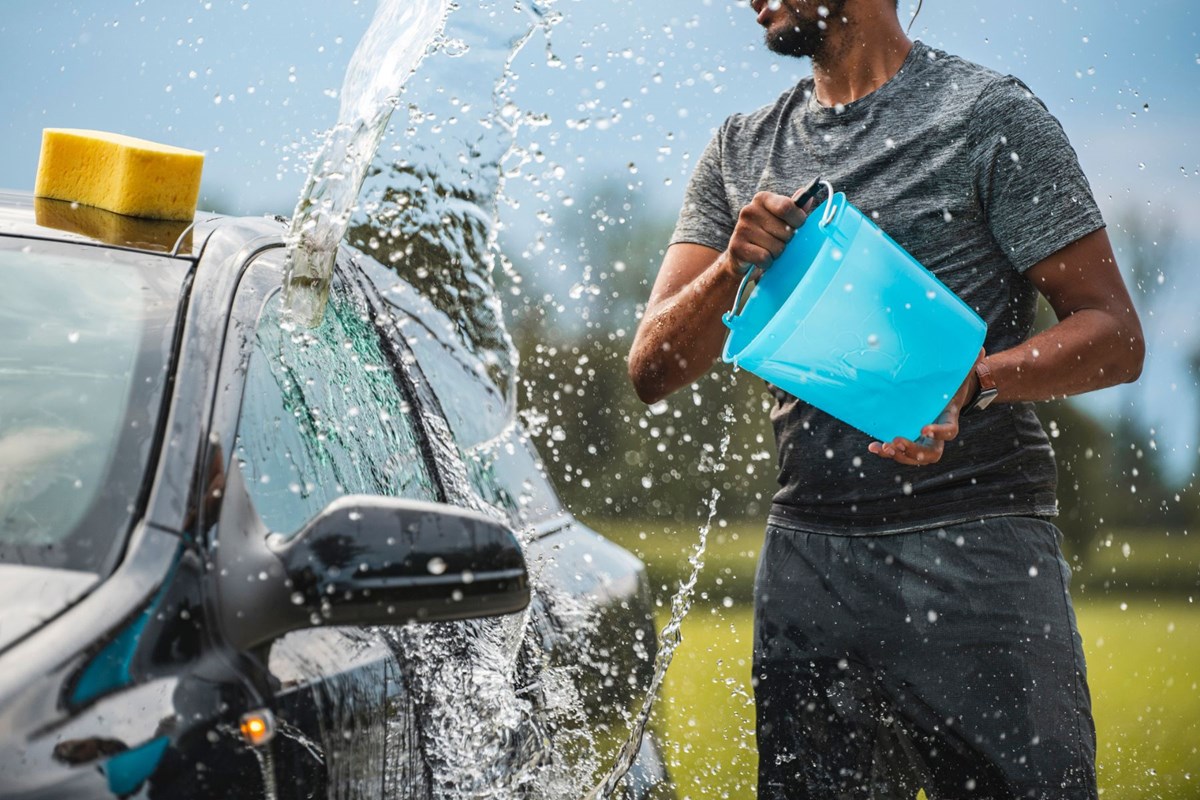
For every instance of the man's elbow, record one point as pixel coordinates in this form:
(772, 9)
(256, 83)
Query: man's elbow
(645, 379)
(1135, 355)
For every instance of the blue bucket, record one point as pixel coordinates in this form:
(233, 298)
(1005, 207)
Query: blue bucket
(848, 321)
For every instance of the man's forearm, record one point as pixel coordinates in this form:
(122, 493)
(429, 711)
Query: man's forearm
(1091, 349)
(681, 336)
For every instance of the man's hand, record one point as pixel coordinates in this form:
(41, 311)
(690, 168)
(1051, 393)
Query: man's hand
(681, 335)
(928, 449)
(763, 229)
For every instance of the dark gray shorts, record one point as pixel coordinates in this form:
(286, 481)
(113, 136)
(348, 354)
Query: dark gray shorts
(946, 659)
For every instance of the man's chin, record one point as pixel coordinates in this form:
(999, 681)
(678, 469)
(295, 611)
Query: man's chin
(788, 40)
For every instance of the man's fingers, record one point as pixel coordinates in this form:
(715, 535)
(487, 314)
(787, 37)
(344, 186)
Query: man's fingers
(910, 453)
(941, 431)
(925, 452)
(891, 452)
(770, 223)
(784, 209)
(748, 253)
(764, 228)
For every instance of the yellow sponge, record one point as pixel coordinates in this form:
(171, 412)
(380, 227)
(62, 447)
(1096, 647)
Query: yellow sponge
(119, 173)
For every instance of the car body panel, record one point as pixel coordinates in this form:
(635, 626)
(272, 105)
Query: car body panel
(31, 217)
(31, 596)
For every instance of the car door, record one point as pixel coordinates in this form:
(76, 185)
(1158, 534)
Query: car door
(322, 414)
(589, 646)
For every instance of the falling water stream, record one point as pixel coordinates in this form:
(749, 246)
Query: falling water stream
(671, 636)
(399, 37)
(426, 205)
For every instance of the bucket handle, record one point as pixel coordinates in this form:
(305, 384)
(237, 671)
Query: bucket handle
(730, 316)
(830, 207)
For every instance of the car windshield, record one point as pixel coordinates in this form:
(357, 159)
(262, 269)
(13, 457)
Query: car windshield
(87, 334)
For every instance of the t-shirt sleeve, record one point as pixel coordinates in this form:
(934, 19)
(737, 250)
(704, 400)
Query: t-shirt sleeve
(706, 217)
(1033, 192)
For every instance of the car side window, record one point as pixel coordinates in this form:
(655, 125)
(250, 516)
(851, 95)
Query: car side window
(501, 462)
(323, 416)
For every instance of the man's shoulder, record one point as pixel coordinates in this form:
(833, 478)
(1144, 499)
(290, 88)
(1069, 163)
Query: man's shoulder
(944, 73)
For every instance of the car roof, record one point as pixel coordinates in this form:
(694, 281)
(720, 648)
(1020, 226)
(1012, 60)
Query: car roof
(26, 216)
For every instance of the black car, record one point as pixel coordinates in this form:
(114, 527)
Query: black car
(240, 559)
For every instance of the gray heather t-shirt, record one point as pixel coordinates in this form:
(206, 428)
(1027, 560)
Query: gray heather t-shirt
(970, 173)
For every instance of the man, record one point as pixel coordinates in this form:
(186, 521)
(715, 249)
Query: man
(912, 621)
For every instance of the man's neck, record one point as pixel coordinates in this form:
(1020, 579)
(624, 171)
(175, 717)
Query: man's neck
(859, 55)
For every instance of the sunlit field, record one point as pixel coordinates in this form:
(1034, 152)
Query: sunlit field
(1143, 658)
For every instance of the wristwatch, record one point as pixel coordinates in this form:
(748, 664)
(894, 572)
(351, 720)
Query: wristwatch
(987, 388)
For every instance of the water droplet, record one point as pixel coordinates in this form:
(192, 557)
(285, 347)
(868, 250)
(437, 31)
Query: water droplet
(455, 48)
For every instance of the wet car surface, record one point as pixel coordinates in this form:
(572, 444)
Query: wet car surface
(246, 560)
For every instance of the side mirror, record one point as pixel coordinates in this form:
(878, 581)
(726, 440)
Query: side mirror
(364, 560)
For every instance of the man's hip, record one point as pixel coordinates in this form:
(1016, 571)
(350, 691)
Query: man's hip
(947, 658)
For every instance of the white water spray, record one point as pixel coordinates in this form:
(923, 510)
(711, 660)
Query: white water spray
(672, 633)
(431, 216)
(397, 41)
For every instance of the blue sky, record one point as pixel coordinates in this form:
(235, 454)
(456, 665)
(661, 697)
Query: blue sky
(254, 83)
(251, 83)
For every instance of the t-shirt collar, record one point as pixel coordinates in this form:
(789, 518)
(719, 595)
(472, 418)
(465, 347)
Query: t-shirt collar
(918, 54)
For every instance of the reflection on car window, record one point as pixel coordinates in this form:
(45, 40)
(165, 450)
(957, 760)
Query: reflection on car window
(86, 336)
(323, 416)
(501, 461)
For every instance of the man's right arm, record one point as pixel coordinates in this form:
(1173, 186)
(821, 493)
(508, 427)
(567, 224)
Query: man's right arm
(681, 334)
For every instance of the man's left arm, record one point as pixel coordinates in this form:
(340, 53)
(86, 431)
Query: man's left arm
(1097, 342)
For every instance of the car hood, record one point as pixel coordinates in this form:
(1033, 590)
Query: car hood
(31, 596)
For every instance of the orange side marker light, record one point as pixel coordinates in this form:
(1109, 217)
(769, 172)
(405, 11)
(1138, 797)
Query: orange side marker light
(258, 727)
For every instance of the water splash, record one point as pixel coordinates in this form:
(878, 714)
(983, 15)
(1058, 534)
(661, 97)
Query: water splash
(430, 208)
(428, 211)
(398, 39)
(495, 719)
(672, 633)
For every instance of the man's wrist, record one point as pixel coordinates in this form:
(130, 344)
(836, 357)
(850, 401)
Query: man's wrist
(730, 265)
(984, 387)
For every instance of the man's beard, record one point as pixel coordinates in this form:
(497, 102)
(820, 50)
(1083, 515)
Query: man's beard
(803, 37)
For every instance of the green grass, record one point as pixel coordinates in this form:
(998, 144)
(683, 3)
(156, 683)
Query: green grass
(1143, 659)
(1144, 667)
